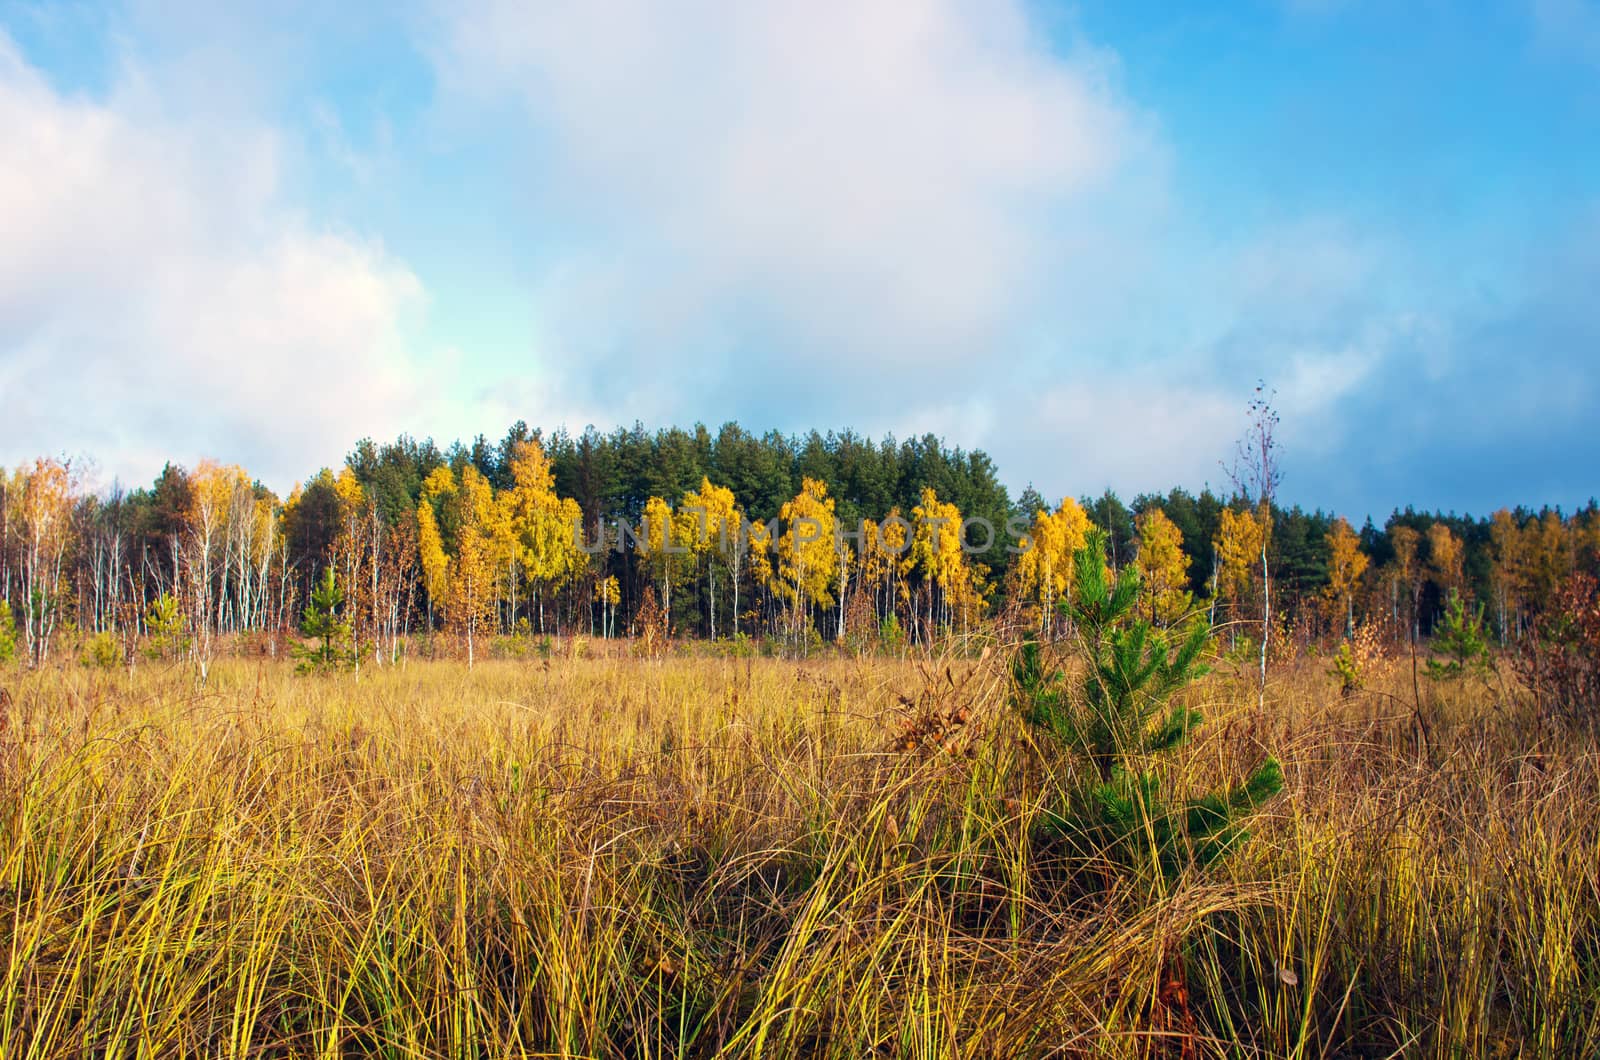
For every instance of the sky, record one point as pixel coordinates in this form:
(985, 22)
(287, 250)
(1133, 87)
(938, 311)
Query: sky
(1075, 235)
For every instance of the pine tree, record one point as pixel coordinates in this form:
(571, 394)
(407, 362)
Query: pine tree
(1116, 725)
(1459, 641)
(168, 628)
(322, 621)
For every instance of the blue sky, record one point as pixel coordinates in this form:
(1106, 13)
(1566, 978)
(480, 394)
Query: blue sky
(1074, 235)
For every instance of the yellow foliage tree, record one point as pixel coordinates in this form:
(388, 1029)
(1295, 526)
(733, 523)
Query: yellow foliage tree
(760, 548)
(1548, 546)
(543, 528)
(1405, 574)
(43, 511)
(212, 491)
(608, 594)
(441, 482)
(1444, 559)
(431, 555)
(669, 549)
(882, 546)
(1238, 544)
(935, 561)
(715, 523)
(807, 563)
(481, 541)
(1045, 570)
(1163, 568)
(1509, 572)
(1346, 564)
(356, 553)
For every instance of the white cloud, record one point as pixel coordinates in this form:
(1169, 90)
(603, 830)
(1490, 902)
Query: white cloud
(1128, 430)
(916, 216)
(159, 301)
(820, 203)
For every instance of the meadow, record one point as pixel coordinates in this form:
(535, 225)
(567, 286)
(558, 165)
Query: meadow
(593, 854)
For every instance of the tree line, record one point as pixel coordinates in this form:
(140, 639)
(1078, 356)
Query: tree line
(822, 537)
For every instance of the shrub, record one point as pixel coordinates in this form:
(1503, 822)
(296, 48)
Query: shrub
(1562, 664)
(509, 647)
(8, 633)
(102, 651)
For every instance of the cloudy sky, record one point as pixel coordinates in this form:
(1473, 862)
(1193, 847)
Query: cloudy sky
(1073, 234)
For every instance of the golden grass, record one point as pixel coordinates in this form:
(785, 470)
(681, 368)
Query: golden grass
(696, 856)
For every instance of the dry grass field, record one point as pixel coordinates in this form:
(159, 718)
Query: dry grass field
(700, 856)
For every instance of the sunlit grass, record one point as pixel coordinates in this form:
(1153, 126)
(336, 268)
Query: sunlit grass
(700, 856)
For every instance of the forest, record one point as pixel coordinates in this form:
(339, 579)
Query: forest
(486, 541)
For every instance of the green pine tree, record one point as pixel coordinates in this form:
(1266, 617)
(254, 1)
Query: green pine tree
(321, 621)
(1118, 724)
(165, 622)
(1459, 642)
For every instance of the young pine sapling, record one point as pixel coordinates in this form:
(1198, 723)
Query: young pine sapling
(1118, 725)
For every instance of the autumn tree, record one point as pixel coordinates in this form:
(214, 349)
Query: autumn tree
(473, 574)
(1346, 564)
(846, 560)
(431, 557)
(1444, 560)
(1163, 568)
(608, 594)
(1547, 543)
(377, 564)
(1405, 574)
(878, 565)
(1508, 576)
(716, 523)
(760, 543)
(1237, 545)
(358, 557)
(543, 528)
(1044, 571)
(212, 487)
(935, 561)
(41, 525)
(806, 561)
(396, 588)
(668, 549)
(254, 534)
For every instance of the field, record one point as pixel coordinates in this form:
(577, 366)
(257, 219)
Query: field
(607, 856)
